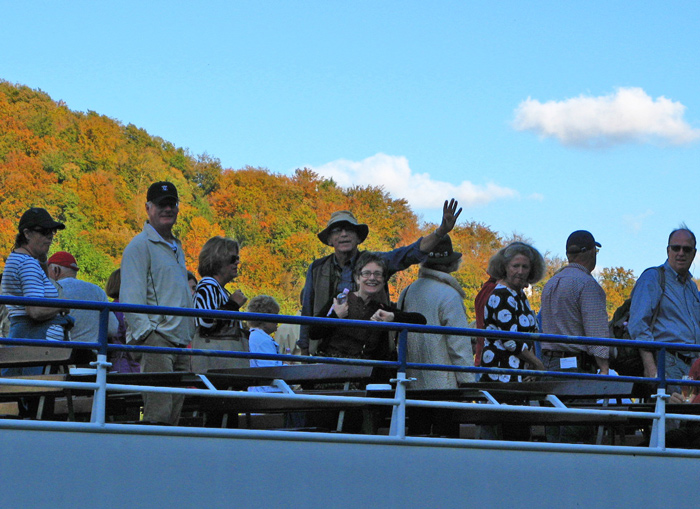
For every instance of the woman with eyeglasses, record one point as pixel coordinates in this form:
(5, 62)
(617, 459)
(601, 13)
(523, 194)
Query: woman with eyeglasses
(24, 276)
(218, 266)
(368, 302)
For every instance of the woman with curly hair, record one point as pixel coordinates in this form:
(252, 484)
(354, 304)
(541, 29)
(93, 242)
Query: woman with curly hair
(515, 267)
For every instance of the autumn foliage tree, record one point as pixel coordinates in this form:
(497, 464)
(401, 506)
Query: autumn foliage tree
(618, 283)
(92, 172)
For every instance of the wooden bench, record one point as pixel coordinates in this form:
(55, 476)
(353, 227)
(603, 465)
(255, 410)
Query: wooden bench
(306, 375)
(582, 394)
(55, 360)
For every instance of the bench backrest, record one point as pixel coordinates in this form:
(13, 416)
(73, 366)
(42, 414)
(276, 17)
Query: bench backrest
(25, 356)
(301, 373)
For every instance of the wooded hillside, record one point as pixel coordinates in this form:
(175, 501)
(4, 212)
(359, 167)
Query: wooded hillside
(92, 173)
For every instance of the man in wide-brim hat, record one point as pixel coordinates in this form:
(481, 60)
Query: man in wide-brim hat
(332, 274)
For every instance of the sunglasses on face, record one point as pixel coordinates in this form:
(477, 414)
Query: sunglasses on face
(235, 259)
(676, 248)
(46, 232)
(168, 204)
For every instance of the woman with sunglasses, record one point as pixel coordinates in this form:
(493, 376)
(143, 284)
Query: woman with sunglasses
(218, 266)
(368, 302)
(24, 276)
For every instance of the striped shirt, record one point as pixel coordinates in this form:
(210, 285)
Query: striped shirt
(24, 277)
(211, 295)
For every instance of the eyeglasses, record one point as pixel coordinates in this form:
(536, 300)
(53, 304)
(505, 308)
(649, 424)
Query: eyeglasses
(235, 259)
(366, 274)
(339, 229)
(46, 232)
(167, 204)
(676, 248)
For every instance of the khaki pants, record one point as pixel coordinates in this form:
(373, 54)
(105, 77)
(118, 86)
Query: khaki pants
(163, 408)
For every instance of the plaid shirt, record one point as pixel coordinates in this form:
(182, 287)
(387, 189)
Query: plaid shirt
(573, 304)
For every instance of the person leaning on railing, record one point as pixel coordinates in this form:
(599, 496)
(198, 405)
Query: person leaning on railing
(369, 302)
(333, 274)
(24, 276)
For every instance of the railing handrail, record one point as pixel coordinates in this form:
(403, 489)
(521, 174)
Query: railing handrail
(306, 320)
(103, 346)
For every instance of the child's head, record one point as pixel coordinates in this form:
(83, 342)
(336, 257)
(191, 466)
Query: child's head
(263, 304)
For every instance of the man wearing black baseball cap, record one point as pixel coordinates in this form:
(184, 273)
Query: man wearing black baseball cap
(581, 241)
(574, 304)
(153, 273)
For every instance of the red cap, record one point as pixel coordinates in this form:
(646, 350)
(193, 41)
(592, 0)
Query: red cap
(64, 259)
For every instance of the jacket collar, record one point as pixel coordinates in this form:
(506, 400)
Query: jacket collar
(442, 277)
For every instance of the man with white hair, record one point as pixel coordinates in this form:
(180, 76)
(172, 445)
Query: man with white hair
(63, 268)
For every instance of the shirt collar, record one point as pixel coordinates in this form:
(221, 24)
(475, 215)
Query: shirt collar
(679, 278)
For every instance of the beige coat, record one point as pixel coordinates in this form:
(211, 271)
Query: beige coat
(439, 297)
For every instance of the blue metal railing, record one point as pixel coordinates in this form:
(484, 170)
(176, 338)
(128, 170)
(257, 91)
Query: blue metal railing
(103, 347)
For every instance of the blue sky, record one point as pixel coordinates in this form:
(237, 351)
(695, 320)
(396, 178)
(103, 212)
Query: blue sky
(540, 117)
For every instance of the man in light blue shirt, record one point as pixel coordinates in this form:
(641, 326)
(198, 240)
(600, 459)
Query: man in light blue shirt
(63, 268)
(678, 319)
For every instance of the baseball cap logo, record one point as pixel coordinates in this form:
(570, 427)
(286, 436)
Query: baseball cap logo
(160, 190)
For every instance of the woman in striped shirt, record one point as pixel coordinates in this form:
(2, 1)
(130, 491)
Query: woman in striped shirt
(218, 265)
(25, 277)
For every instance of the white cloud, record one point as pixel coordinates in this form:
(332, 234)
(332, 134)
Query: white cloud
(419, 189)
(636, 221)
(628, 115)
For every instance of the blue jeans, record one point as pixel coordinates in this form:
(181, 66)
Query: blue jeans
(675, 368)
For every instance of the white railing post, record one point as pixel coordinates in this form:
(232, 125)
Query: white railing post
(398, 412)
(99, 401)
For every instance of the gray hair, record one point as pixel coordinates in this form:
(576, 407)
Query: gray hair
(499, 261)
